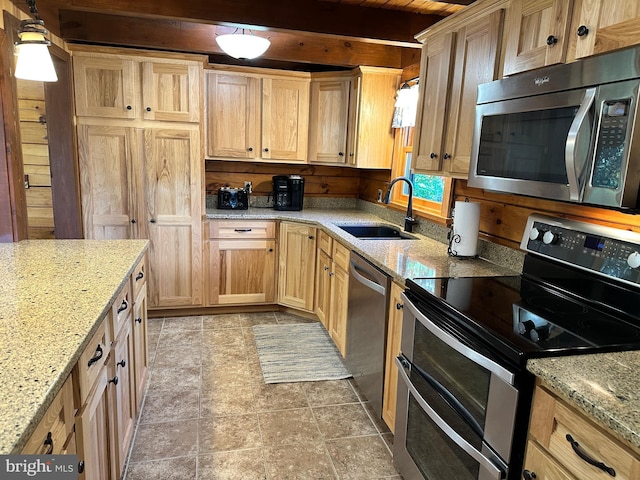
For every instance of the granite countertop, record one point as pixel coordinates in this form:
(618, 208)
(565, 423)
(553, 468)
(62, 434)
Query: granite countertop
(52, 295)
(603, 385)
(401, 259)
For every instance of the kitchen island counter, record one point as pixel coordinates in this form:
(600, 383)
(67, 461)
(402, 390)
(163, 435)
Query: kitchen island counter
(424, 257)
(53, 295)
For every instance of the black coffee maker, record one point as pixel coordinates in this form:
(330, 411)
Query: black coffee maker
(288, 192)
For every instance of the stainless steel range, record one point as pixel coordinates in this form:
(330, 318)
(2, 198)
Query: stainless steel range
(464, 394)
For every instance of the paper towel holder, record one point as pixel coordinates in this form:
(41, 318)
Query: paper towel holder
(456, 238)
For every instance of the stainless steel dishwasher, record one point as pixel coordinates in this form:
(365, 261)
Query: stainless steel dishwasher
(367, 327)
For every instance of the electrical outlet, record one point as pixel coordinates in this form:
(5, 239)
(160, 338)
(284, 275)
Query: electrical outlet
(247, 187)
(379, 195)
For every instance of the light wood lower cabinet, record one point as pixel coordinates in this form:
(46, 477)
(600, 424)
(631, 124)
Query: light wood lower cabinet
(551, 455)
(323, 286)
(394, 334)
(339, 304)
(242, 262)
(297, 263)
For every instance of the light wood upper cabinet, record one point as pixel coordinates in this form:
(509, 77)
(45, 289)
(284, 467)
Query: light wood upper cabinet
(233, 119)
(371, 104)
(171, 92)
(285, 119)
(536, 34)
(453, 64)
(600, 26)
(296, 260)
(127, 87)
(106, 86)
(328, 120)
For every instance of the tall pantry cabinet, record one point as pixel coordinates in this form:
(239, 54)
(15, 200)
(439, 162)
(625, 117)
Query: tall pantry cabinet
(138, 121)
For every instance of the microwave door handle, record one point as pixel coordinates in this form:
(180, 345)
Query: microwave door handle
(494, 471)
(572, 139)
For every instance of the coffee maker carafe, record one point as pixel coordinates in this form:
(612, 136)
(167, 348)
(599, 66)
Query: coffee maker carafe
(288, 192)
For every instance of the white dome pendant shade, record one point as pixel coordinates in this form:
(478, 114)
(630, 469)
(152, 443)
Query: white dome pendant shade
(34, 60)
(243, 46)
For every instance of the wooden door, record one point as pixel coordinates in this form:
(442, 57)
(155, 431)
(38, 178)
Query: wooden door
(328, 121)
(476, 61)
(242, 271)
(140, 346)
(285, 119)
(105, 156)
(432, 108)
(601, 26)
(339, 307)
(323, 287)
(394, 333)
(233, 115)
(106, 86)
(354, 120)
(172, 218)
(536, 34)
(93, 433)
(297, 265)
(122, 402)
(171, 91)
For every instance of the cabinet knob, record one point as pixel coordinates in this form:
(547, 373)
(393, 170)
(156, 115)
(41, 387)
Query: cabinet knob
(446, 156)
(114, 380)
(325, 268)
(399, 306)
(433, 155)
(133, 220)
(129, 107)
(528, 475)
(148, 109)
(351, 154)
(331, 274)
(266, 149)
(582, 30)
(250, 149)
(138, 320)
(270, 250)
(153, 220)
(552, 40)
(310, 237)
(81, 466)
(122, 363)
(340, 154)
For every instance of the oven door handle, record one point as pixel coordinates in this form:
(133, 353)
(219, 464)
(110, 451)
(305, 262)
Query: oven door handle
(459, 347)
(494, 471)
(573, 175)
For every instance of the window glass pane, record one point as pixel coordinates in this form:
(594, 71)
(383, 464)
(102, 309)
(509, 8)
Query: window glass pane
(428, 187)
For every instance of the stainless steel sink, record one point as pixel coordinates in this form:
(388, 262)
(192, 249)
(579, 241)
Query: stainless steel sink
(376, 232)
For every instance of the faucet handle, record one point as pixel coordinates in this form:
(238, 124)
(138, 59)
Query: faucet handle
(409, 222)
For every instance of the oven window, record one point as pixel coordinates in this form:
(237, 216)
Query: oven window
(435, 455)
(462, 378)
(526, 145)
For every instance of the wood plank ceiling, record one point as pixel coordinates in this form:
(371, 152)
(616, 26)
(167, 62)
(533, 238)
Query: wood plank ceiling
(305, 34)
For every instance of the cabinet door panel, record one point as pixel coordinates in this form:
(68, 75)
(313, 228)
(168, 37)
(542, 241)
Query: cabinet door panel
(171, 92)
(323, 287)
(105, 87)
(140, 345)
(105, 155)
(328, 124)
(285, 119)
(297, 265)
(394, 333)
(339, 307)
(172, 216)
(432, 111)
(242, 271)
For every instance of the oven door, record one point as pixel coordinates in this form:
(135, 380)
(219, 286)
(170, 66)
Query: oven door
(456, 406)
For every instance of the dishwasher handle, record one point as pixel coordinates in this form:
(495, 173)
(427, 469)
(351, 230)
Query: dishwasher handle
(357, 273)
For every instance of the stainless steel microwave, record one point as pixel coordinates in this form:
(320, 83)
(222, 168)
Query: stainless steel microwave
(565, 132)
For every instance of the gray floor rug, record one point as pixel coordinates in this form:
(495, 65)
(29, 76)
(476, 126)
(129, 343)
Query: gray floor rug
(301, 352)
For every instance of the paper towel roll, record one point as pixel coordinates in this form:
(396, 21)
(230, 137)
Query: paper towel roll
(466, 224)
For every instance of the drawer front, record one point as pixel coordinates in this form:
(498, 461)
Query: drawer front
(242, 229)
(562, 423)
(51, 436)
(325, 242)
(542, 465)
(139, 277)
(90, 364)
(121, 310)
(341, 255)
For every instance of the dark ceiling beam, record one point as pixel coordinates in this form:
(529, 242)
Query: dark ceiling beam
(328, 18)
(200, 38)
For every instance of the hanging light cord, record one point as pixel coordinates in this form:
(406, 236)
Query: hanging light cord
(33, 9)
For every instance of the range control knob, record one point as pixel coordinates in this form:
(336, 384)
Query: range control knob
(634, 260)
(549, 238)
(535, 234)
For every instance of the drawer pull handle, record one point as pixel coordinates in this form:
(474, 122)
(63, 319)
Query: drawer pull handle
(139, 320)
(49, 441)
(96, 357)
(576, 448)
(140, 276)
(81, 466)
(123, 306)
(241, 229)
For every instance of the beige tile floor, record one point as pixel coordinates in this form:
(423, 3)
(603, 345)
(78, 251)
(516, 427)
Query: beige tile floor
(208, 415)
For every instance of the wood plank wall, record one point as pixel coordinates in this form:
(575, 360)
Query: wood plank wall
(35, 155)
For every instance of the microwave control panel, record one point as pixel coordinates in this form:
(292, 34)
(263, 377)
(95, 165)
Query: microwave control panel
(611, 143)
(603, 250)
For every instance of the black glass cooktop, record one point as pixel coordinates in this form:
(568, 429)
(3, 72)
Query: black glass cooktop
(549, 310)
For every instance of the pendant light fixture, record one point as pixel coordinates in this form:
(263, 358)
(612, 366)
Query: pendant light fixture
(241, 45)
(32, 50)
